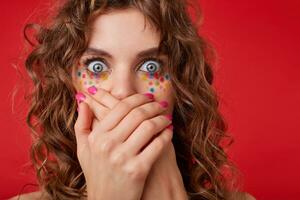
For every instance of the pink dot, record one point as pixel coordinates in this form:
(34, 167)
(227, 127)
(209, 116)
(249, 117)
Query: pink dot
(92, 90)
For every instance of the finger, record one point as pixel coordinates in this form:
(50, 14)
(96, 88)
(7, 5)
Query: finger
(145, 132)
(113, 118)
(82, 125)
(98, 109)
(103, 97)
(136, 116)
(152, 151)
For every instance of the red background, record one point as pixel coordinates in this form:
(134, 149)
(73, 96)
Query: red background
(257, 78)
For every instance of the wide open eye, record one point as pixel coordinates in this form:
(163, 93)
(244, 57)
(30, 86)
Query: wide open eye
(151, 66)
(96, 66)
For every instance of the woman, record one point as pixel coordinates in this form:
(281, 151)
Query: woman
(123, 105)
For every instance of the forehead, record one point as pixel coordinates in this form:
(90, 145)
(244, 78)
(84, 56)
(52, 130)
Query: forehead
(123, 30)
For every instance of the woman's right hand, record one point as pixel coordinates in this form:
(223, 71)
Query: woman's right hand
(118, 152)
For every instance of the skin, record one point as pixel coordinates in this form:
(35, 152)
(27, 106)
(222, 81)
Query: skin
(121, 34)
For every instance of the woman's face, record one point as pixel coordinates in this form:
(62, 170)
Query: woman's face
(121, 58)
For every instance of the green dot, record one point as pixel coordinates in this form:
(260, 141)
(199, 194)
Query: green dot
(151, 89)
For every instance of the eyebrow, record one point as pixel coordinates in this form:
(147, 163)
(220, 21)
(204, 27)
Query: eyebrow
(147, 52)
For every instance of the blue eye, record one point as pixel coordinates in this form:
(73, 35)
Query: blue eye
(151, 66)
(95, 66)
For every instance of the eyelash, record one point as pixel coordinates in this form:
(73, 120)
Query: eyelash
(87, 61)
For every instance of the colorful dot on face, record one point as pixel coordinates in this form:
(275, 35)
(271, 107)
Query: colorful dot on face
(144, 77)
(83, 75)
(104, 76)
(78, 74)
(150, 75)
(152, 90)
(167, 76)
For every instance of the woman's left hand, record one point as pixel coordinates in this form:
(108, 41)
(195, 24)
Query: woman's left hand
(164, 180)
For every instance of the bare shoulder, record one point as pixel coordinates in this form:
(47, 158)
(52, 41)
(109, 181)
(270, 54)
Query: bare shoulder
(38, 195)
(249, 196)
(243, 196)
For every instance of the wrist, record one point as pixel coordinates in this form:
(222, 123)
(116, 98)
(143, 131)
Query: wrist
(177, 188)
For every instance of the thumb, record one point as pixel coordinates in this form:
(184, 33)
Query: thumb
(83, 124)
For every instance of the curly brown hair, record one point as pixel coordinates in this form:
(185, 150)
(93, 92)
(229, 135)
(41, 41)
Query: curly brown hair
(199, 128)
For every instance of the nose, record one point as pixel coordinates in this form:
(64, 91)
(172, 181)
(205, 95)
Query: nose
(123, 84)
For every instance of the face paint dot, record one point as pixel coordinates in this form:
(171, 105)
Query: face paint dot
(156, 75)
(156, 83)
(79, 74)
(150, 75)
(161, 79)
(84, 82)
(152, 90)
(167, 76)
(104, 76)
(150, 83)
(144, 77)
(83, 75)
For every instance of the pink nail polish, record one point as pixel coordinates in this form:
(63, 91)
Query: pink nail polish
(170, 127)
(149, 95)
(92, 90)
(164, 104)
(169, 117)
(80, 97)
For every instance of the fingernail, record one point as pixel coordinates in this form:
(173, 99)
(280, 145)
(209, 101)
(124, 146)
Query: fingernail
(149, 95)
(169, 117)
(164, 104)
(80, 97)
(92, 90)
(170, 127)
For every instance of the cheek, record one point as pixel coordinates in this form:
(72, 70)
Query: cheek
(86, 79)
(157, 84)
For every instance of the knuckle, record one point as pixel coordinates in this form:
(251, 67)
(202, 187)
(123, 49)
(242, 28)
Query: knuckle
(148, 125)
(136, 172)
(118, 158)
(106, 146)
(139, 113)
